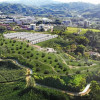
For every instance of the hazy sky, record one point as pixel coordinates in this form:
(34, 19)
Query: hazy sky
(66, 1)
(90, 1)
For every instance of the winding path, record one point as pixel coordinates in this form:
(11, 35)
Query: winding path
(84, 92)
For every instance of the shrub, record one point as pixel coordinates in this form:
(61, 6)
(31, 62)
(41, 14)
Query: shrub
(18, 52)
(27, 45)
(14, 41)
(56, 60)
(49, 57)
(13, 51)
(12, 48)
(64, 69)
(37, 69)
(32, 48)
(20, 47)
(21, 43)
(31, 55)
(24, 48)
(36, 58)
(55, 66)
(37, 64)
(46, 72)
(43, 55)
(27, 56)
(45, 60)
(28, 51)
(17, 48)
(50, 62)
(37, 53)
(79, 64)
(78, 72)
(58, 70)
(23, 52)
(12, 44)
(10, 41)
(1, 44)
(6, 42)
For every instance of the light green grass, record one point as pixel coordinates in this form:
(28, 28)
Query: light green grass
(76, 30)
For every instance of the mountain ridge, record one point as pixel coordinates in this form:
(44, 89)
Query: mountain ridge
(57, 10)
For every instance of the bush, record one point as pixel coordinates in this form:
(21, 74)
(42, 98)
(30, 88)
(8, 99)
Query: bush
(45, 60)
(56, 60)
(13, 51)
(37, 69)
(23, 52)
(32, 48)
(55, 66)
(50, 62)
(37, 64)
(24, 48)
(49, 57)
(19, 52)
(28, 51)
(6, 42)
(21, 43)
(27, 56)
(17, 48)
(78, 72)
(10, 41)
(43, 55)
(27, 45)
(37, 54)
(36, 58)
(31, 55)
(46, 72)
(58, 70)
(20, 47)
(1, 44)
(12, 48)
(12, 44)
(79, 64)
(64, 69)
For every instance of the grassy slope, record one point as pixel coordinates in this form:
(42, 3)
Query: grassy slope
(18, 91)
(24, 55)
(75, 30)
(10, 72)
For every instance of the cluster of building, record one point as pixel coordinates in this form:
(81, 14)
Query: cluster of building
(41, 27)
(30, 22)
(76, 23)
(25, 22)
(33, 38)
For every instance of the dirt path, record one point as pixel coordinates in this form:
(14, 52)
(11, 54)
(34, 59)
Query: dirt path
(28, 78)
(84, 92)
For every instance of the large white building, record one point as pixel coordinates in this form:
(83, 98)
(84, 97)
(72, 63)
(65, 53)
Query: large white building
(33, 38)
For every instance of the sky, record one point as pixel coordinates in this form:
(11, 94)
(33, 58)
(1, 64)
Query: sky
(88, 1)
(65, 1)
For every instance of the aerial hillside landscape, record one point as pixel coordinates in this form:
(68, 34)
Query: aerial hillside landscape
(49, 51)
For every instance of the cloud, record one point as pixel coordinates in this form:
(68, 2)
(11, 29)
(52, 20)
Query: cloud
(44, 1)
(88, 1)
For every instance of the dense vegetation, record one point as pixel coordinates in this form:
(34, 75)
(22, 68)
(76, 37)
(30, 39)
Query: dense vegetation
(71, 68)
(10, 72)
(60, 10)
(19, 91)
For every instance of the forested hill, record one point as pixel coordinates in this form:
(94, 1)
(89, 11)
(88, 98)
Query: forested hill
(60, 10)
(92, 12)
(8, 8)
